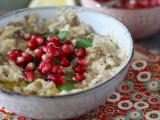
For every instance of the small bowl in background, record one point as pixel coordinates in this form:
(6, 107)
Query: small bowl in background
(141, 22)
(13, 4)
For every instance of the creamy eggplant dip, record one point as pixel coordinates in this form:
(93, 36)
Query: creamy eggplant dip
(55, 56)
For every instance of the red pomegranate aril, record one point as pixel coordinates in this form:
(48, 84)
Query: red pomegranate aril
(79, 68)
(12, 55)
(82, 62)
(54, 39)
(27, 36)
(40, 40)
(55, 68)
(58, 53)
(29, 75)
(47, 58)
(51, 50)
(45, 67)
(61, 72)
(67, 49)
(38, 53)
(32, 44)
(56, 78)
(65, 62)
(78, 77)
(18, 52)
(81, 52)
(30, 66)
(67, 42)
(35, 36)
(20, 61)
(27, 57)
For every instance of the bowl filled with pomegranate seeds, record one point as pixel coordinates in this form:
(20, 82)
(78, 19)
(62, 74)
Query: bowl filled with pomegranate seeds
(140, 16)
(59, 63)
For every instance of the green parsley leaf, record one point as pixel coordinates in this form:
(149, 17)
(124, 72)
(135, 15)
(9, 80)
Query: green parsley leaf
(56, 60)
(68, 75)
(63, 35)
(68, 85)
(44, 33)
(55, 32)
(84, 42)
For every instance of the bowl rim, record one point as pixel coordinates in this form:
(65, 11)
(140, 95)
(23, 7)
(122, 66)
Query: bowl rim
(124, 9)
(126, 64)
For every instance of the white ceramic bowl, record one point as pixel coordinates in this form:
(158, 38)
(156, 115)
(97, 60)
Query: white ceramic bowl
(140, 22)
(76, 104)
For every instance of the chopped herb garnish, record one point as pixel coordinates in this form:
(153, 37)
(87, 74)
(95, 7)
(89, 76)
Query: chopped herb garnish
(45, 33)
(55, 32)
(84, 42)
(68, 85)
(63, 35)
(56, 60)
(68, 75)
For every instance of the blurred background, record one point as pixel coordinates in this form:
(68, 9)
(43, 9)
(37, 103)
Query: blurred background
(142, 17)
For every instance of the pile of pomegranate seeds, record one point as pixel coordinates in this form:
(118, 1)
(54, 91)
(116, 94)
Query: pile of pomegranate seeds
(133, 4)
(51, 56)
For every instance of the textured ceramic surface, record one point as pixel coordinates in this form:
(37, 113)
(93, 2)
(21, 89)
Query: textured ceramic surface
(140, 22)
(72, 105)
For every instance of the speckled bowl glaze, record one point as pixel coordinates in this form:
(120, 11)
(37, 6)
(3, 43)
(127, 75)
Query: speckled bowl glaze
(76, 104)
(140, 22)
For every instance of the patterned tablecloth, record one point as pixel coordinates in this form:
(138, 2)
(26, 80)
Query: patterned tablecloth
(137, 98)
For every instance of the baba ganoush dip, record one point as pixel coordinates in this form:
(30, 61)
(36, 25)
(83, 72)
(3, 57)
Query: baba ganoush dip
(55, 56)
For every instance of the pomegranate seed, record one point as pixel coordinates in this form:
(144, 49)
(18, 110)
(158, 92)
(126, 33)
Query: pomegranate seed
(55, 68)
(27, 36)
(65, 62)
(82, 62)
(29, 76)
(12, 55)
(30, 66)
(19, 61)
(46, 58)
(67, 49)
(32, 44)
(44, 48)
(81, 52)
(50, 44)
(68, 42)
(51, 50)
(78, 77)
(79, 69)
(40, 41)
(57, 79)
(58, 53)
(54, 39)
(61, 72)
(35, 36)
(45, 67)
(27, 57)
(38, 53)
